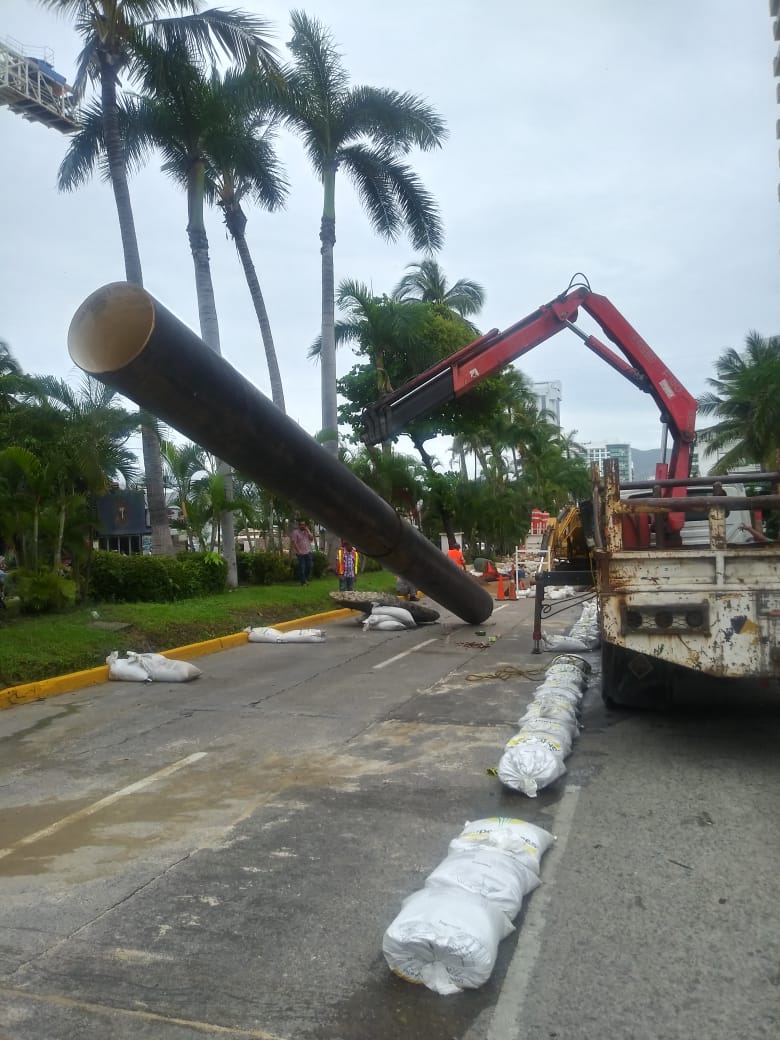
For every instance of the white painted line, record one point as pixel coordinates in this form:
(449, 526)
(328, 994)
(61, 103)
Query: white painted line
(496, 610)
(414, 649)
(508, 1015)
(108, 800)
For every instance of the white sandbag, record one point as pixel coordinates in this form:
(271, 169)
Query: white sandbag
(303, 635)
(445, 938)
(552, 689)
(550, 708)
(568, 644)
(398, 613)
(160, 668)
(126, 670)
(524, 839)
(559, 730)
(530, 762)
(570, 667)
(496, 874)
(273, 635)
(383, 623)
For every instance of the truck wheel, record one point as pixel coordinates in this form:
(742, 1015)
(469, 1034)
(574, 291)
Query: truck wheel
(632, 680)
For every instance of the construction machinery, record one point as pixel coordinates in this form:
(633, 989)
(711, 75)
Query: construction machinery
(31, 87)
(680, 586)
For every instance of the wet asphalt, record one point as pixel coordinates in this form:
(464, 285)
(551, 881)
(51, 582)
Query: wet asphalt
(221, 858)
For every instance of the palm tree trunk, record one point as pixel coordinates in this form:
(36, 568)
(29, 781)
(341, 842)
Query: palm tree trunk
(60, 538)
(115, 153)
(236, 222)
(328, 331)
(209, 331)
(330, 420)
(162, 544)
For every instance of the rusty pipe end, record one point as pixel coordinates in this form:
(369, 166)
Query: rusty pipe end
(111, 328)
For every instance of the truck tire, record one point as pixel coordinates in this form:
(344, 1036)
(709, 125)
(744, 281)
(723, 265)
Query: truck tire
(632, 680)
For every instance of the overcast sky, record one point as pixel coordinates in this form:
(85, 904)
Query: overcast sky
(632, 141)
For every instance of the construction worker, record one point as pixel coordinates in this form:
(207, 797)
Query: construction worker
(456, 555)
(347, 566)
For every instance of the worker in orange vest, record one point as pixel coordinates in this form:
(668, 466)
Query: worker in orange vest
(457, 556)
(347, 566)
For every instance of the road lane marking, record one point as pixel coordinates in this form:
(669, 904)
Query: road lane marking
(414, 649)
(496, 609)
(508, 1015)
(88, 810)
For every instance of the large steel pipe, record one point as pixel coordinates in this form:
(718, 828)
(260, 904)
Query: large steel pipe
(127, 339)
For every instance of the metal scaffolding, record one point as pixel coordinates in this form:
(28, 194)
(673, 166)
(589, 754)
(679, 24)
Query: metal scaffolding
(32, 88)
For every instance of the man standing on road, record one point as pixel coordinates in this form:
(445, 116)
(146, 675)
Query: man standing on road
(301, 541)
(347, 566)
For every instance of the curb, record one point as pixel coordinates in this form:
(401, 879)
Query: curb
(38, 691)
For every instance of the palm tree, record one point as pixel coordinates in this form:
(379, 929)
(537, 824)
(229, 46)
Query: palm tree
(13, 381)
(184, 464)
(191, 117)
(114, 32)
(364, 131)
(426, 281)
(745, 397)
(379, 327)
(79, 446)
(244, 166)
(397, 478)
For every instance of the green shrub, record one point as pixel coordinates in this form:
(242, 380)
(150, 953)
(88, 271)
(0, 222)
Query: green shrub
(155, 579)
(367, 565)
(263, 568)
(319, 564)
(43, 591)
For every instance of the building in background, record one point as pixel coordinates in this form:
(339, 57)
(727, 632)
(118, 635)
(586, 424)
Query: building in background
(622, 452)
(598, 453)
(548, 400)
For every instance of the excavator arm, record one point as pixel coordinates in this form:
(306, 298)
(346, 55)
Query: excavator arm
(456, 375)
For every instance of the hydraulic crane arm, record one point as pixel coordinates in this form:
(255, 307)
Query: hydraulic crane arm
(484, 357)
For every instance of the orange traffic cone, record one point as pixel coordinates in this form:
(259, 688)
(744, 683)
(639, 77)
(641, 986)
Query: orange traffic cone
(500, 594)
(512, 590)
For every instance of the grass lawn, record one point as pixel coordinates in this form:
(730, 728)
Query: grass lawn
(33, 648)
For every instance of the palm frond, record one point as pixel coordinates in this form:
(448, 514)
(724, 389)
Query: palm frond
(84, 152)
(394, 196)
(392, 119)
(317, 61)
(345, 332)
(215, 33)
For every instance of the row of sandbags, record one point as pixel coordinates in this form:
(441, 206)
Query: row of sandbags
(158, 668)
(534, 757)
(583, 636)
(446, 935)
(387, 619)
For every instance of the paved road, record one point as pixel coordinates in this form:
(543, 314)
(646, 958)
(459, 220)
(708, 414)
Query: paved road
(221, 858)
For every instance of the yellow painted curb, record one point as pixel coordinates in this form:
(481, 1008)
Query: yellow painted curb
(38, 691)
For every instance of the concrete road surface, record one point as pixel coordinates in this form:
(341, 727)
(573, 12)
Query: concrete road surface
(219, 859)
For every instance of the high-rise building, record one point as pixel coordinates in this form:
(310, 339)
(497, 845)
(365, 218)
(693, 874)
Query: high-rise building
(548, 401)
(622, 452)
